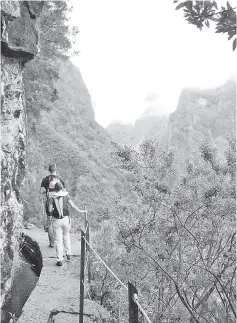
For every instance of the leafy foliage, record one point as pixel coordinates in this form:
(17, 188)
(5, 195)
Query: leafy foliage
(55, 41)
(200, 13)
(179, 233)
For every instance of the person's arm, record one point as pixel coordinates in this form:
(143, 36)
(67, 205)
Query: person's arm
(42, 187)
(62, 181)
(75, 207)
(42, 190)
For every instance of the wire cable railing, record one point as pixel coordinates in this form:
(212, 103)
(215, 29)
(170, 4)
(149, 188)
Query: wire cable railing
(134, 304)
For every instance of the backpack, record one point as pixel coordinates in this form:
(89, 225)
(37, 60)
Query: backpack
(60, 208)
(53, 179)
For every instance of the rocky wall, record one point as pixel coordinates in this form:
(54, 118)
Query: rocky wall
(19, 44)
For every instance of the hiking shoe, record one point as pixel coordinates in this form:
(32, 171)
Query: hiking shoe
(68, 257)
(59, 263)
(51, 246)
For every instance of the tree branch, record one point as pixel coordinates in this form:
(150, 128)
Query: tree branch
(217, 277)
(216, 13)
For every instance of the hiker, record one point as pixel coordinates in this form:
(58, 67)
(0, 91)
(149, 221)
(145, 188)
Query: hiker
(58, 207)
(48, 188)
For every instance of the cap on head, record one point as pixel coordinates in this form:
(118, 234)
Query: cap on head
(52, 168)
(58, 187)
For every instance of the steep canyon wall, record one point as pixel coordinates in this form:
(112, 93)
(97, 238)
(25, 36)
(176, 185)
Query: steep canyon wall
(19, 44)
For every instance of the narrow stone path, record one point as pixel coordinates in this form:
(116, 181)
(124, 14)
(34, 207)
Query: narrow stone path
(56, 296)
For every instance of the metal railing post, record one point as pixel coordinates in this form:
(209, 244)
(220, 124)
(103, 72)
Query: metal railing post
(133, 308)
(87, 226)
(82, 278)
(88, 253)
(86, 215)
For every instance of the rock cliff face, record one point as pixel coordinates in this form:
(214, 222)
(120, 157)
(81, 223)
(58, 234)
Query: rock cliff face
(19, 45)
(202, 115)
(69, 136)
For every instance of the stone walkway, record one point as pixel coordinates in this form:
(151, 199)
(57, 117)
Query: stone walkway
(56, 295)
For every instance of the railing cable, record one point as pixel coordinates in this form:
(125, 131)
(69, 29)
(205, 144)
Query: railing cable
(135, 296)
(135, 299)
(115, 276)
(31, 204)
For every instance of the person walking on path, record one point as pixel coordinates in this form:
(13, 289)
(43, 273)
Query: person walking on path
(48, 188)
(58, 207)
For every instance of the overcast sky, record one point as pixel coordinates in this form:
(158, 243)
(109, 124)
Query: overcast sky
(135, 50)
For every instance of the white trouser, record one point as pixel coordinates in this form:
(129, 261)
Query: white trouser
(62, 236)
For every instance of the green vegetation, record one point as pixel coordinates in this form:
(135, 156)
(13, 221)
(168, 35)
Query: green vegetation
(200, 13)
(55, 41)
(176, 234)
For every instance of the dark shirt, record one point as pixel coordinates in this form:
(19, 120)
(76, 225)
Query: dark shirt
(45, 181)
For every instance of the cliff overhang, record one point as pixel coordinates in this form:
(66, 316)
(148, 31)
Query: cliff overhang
(20, 36)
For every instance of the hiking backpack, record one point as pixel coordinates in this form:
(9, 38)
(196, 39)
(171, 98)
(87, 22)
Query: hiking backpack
(64, 210)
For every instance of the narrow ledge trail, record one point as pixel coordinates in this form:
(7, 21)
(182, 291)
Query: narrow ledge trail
(56, 295)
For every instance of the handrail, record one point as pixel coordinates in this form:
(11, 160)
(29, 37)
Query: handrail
(135, 296)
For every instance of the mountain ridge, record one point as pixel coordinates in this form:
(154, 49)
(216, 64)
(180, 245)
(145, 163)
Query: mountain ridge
(201, 114)
(69, 136)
